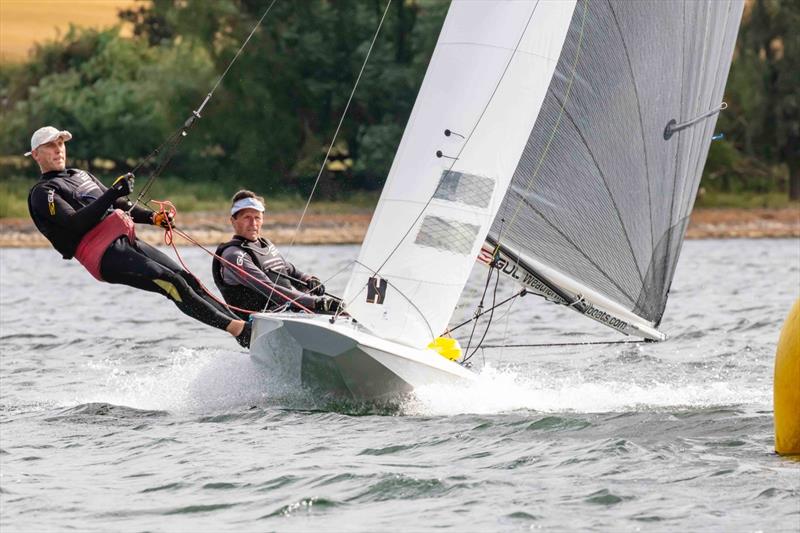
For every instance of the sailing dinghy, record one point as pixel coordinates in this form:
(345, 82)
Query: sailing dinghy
(560, 142)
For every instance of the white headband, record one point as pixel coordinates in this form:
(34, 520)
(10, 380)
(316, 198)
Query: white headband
(247, 203)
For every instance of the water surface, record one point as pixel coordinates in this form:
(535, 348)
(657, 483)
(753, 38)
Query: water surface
(118, 413)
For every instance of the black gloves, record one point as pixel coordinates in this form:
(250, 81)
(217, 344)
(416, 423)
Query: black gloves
(123, 185)
(315, 286)
(328, 305)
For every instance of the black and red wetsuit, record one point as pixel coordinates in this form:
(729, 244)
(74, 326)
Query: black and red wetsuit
(66, 205)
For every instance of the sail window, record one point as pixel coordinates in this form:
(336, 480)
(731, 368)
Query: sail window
(447, 235)
(469, 189)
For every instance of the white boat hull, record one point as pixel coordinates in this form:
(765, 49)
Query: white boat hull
(343, 360)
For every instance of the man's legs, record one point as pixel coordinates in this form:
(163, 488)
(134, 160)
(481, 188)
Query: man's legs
(142, 266)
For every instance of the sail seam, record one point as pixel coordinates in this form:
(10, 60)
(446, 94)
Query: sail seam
(698, 171)
(466, 141)
(698, 167)
(497, 47)
(579, 250)
(555, 127)
(607, 188)
(698, 101)
(641, 122)
(668, 230)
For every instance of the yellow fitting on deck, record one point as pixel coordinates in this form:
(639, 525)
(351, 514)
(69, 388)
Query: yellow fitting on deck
(446, 347)
(786, 392)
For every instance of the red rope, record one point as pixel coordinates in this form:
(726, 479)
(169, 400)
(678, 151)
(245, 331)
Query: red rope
(170, 211)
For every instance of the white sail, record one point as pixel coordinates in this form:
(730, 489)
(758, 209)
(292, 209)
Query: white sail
(480, 98)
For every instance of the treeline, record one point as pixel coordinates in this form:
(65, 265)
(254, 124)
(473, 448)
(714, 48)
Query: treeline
(269, 122)
(761, 148)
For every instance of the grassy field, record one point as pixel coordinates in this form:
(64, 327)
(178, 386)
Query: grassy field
(192, 197)
(24, 22)
(770, 200)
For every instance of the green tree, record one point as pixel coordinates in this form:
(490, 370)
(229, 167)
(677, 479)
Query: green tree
(117, 96)
(764, 120)
(279, 106)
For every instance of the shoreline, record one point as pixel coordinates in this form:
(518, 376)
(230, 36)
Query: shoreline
(212, 228)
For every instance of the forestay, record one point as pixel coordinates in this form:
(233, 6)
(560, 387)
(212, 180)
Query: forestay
(600, 200)
(486, 82)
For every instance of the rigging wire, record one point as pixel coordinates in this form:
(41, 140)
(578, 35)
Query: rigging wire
(455, 159)
(552, 344)
(489, 322)
(555, 126)
(479, 309)
(466, 140)
(177, 136)
(523, 292)
(339, 126)
(504, 227)
(336, 133)
(507, 316)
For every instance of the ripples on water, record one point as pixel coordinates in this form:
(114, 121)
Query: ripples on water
(119, 414)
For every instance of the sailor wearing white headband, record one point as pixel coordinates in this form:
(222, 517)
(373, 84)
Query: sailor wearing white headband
(253, 275)
(248, 202)
(84, 219)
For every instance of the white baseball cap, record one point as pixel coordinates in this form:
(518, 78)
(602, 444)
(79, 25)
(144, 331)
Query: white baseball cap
(247, 203)
(46, 135)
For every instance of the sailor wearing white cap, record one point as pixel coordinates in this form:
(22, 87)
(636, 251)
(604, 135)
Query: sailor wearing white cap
(46, 135)
(84, 219)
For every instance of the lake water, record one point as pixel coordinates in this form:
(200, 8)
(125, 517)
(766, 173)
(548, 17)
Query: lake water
(117, 413)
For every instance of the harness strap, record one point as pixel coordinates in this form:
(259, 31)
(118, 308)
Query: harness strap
(94, 244)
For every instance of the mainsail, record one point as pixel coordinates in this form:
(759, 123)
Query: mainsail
(598, 206)
(479, 101)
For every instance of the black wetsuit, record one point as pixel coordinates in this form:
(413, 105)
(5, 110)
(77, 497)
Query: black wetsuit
(66, 204)
(271, 283)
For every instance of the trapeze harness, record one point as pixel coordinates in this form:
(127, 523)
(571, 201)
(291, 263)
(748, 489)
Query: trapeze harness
(80, 217)
(267, 259)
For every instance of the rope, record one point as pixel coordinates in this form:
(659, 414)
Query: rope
(168, 239)
(289, 299)
(523, 292)
(555, 126)
(177, 136)
(463, 147)
(551, 344)
(479, 309)
(488, 323)
(338, 127)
